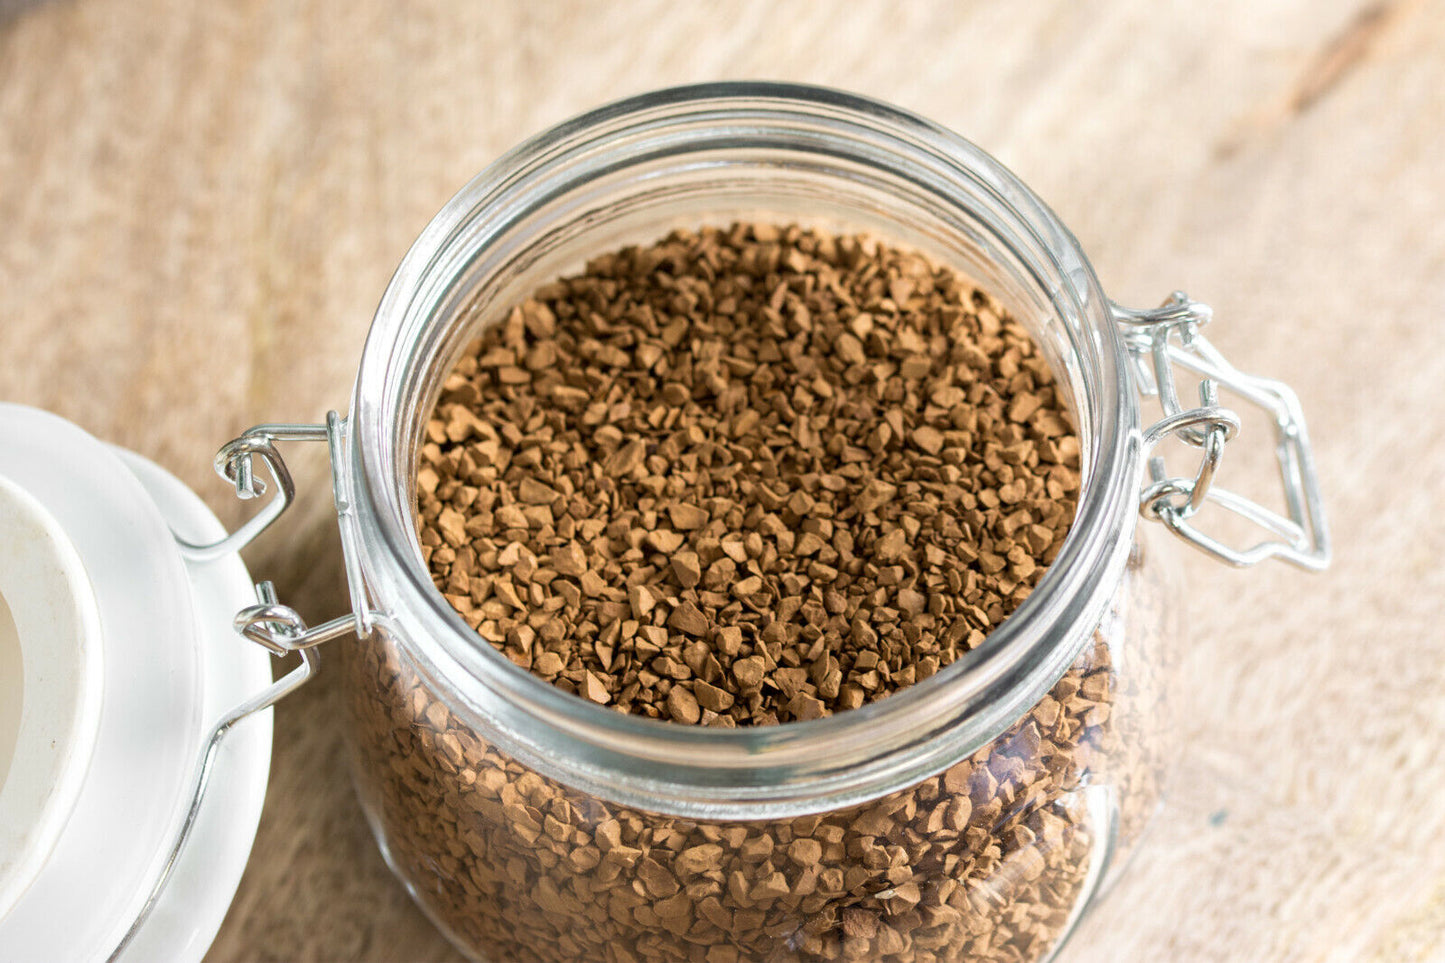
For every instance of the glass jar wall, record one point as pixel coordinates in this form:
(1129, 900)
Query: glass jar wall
(969, 816)
(991, 859)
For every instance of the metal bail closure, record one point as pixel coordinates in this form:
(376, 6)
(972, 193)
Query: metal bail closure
(277, 627)
(1168, 336)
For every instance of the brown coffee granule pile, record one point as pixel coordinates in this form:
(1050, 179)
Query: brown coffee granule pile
(982, 863)
(748, 476)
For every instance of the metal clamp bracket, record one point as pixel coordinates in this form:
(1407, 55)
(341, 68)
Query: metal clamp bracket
(278, 627)
(1168, 336)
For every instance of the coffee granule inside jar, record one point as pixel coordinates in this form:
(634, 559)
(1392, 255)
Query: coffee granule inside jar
(985, 862)
(735, 478)
(746, 476)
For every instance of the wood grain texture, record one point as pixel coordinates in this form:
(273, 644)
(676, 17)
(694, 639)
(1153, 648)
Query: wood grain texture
(203, 202)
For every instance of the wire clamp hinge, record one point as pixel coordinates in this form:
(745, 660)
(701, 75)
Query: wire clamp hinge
(1161, 339)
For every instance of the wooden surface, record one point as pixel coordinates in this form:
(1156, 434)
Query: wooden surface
(200, 204)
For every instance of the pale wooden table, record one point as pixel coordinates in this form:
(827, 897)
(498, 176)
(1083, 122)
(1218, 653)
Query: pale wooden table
(201, 204)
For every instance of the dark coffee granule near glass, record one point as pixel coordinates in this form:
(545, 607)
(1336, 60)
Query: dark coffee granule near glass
(746, 476)
(743, 477)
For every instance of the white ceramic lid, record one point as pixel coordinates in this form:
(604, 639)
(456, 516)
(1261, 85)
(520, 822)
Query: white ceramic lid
(123, 650)
(49, 687)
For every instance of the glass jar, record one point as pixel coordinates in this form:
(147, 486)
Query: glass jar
(969, 816)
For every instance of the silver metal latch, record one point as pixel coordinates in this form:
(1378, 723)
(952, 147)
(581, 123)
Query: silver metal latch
(277, 627)
(1168, 336)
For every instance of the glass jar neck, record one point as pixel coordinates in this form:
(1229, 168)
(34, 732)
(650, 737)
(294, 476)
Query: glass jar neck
(714, 154)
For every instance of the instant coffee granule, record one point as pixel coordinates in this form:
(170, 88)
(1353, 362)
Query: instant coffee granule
(737, 478)
(984, 862)
(744, 477)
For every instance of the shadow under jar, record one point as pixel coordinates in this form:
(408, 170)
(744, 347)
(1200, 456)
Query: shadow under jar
(970, 816)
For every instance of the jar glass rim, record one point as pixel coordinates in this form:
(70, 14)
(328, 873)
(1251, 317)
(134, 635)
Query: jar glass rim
(969, 701)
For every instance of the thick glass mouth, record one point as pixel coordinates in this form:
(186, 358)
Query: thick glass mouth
(714, 154)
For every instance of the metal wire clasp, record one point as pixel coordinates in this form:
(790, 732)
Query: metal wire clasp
(1168, 336)
(278, 627)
